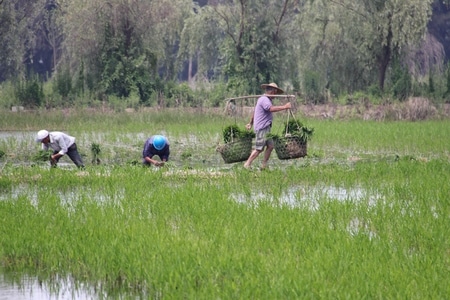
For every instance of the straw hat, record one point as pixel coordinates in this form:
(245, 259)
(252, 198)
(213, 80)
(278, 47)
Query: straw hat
(272, 85)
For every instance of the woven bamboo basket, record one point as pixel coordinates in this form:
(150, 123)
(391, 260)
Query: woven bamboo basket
(289, 147)
(236, 151)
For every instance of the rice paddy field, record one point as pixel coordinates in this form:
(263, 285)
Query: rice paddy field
(365, 215)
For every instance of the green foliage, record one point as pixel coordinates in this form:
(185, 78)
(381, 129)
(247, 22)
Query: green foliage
(8, 95)
(41, 156)
(95, 150)
(351, 57)
(2, 153)
(401, 82)
(375, 90)
(125, 65)
(447, 75)
(312, 46)
(29, 92)
(295, 128)
(253, 50)
(186, 155)
(232, 132)
(16, 39)
(312, 87)
(216, 94)
(431, 85)
(63, 83)
(80, 82)
(181, 95)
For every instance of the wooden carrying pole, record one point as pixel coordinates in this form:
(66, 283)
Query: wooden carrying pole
(233, 100)
(257, 96)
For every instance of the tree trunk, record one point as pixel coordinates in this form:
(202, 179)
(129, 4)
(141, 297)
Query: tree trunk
(384, 59)
(190, 70)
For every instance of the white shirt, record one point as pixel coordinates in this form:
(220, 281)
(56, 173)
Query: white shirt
(59, 141)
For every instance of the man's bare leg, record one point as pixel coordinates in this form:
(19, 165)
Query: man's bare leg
(251, 158)
(266, 156)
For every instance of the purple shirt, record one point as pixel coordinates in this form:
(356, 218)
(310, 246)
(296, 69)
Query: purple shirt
(150, 151)
(262, 118)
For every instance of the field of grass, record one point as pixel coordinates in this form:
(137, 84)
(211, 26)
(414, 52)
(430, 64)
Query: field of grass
(365, 215)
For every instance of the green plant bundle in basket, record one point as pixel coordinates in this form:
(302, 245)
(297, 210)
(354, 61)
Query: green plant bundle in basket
(294, 142)
(289, 147)
(238, 144)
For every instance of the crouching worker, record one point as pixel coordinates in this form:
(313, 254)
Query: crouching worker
(156, 145)
(61, 144)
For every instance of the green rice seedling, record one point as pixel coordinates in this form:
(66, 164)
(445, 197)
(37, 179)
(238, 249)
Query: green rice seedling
(41, 156)
(295, 127)
(95, 151)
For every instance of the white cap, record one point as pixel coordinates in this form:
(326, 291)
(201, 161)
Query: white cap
(42, 134)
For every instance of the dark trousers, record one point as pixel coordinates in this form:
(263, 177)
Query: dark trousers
(72, 152)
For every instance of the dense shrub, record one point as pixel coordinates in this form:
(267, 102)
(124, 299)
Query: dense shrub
(312, 88)
(29, 92)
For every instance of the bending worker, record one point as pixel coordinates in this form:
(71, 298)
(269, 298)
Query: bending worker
(156, 145)
(61, 144)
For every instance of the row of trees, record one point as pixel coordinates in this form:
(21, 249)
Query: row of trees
(136, 47)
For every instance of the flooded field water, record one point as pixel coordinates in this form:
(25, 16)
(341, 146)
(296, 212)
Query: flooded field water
(30, 288)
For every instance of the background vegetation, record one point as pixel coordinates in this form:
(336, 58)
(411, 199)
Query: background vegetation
(59, 53)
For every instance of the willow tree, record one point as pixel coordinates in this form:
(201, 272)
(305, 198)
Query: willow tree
(367, 34)
(49, 31)
(124, 43)
(253, 40)
(199, 42)
(17, 35)
(12, 48)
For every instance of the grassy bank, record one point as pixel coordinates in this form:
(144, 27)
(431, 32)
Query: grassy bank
(365, 215)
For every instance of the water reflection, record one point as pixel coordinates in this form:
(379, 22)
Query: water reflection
(68, 197)
(311, 197)
(30, 288)
(19, 135)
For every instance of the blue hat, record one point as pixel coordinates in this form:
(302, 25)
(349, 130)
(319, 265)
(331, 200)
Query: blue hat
(159, 142)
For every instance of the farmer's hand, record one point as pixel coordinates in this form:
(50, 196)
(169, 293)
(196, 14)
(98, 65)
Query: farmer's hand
(159, 163)
(287, 105)
(248, 126)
